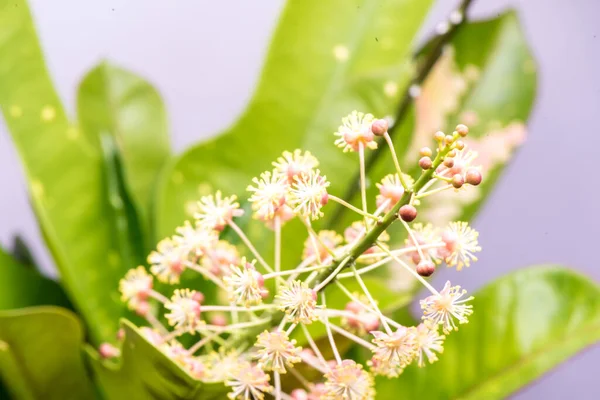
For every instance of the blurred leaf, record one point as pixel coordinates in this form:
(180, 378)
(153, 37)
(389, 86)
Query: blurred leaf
(145, 372)
(486, 78)
(326, 59)
(65, 175)
(524, 324)
(21, 286)
(22, 253)
(40, 355)
(115, 101)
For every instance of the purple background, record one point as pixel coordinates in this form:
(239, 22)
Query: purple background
(205, 56)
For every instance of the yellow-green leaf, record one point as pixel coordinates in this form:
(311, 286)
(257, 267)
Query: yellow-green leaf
(40, 354)
(523, 325)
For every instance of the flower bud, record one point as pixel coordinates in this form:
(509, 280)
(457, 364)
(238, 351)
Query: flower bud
(107, 350)
(299, 394)
(218, 320)
(451, 153)
(460, 144)
(425, 152)
(425, 163)
(462, 130)
(325, 198)
(439, 136)
(458, 181)
(425, 268)
(121, 334)
(408, 213)
(199, 297)
(370, 322)
(449, 139)
(473, 177)
(449, 162)
(379, 127)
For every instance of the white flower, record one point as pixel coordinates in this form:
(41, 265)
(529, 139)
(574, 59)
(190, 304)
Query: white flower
(356, 130)
(397, 349)
(461, 243)
(462, 161)
(223, 364)
(299, 302)
(220, 257)
(391, 190)
(249, 383)
(195, 239)
(442, 308)
(319, 249)
(276, 351)
(185, 310)
(175, 351)
(168, 262)
(429, 341)
(308, 194)
(245, 284)
(296, 164)
(214, 212)
(349, 381)
(268, 194)
(135, 287)
(426, 235)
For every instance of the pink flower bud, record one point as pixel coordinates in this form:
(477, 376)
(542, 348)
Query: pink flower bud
(425, 268)
(473, 177)
(462, 130)
(218, 320)
(379, 127)
(370, 322)
(107, 350)
(425, 163)
(299, 394)
(458, 181)
(408, 213)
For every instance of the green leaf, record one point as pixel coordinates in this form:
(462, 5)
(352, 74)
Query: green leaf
(326, 59)
(523, 325)
(22, 286)
(115, 101)
(144, 372)
(40, 355)
(65, 173)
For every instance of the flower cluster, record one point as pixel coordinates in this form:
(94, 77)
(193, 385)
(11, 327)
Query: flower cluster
(264, 319)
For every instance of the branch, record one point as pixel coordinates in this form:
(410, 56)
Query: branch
(423, 70)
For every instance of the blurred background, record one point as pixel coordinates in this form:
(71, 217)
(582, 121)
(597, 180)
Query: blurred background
(204, 57)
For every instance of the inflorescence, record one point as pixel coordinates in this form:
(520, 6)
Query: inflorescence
(251, 341)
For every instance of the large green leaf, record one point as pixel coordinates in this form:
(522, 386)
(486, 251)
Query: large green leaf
(523, 325)
(145, 372)
(40, 354)
(114, 101)
(326, 59)
(23, 286)
(65, 173)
